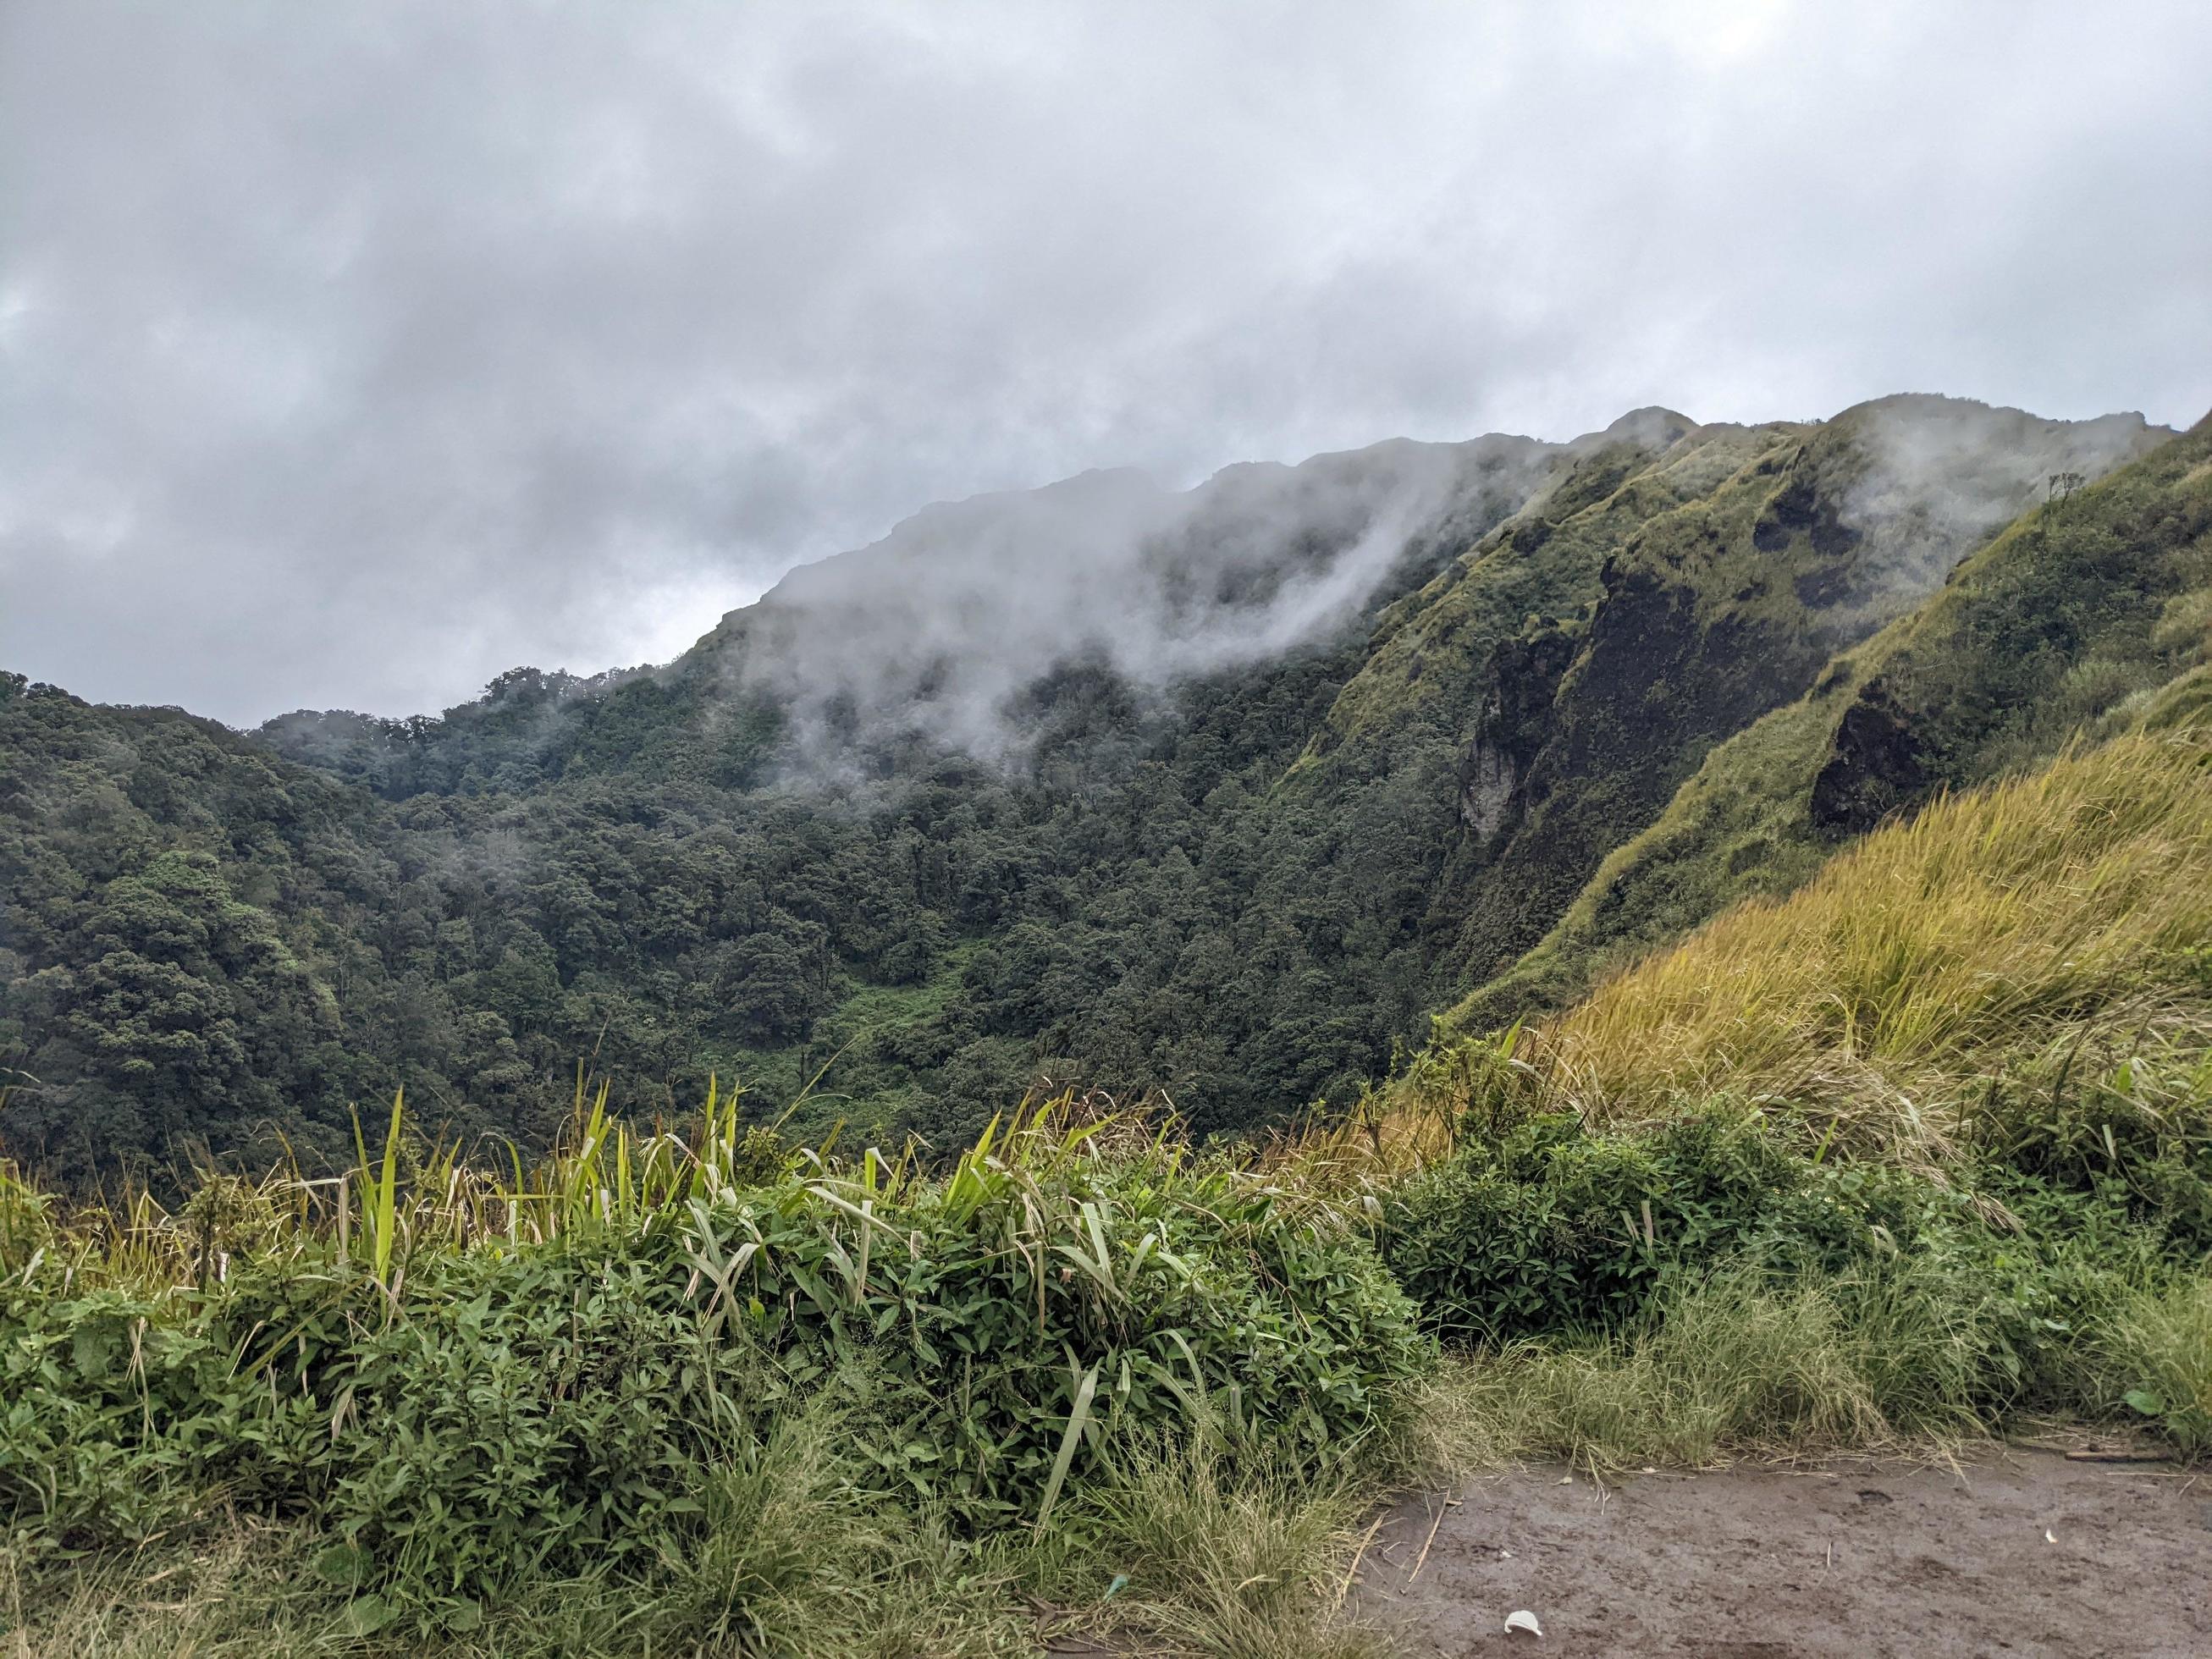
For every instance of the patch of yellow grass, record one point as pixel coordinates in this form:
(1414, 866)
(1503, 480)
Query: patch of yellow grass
(1992, 919)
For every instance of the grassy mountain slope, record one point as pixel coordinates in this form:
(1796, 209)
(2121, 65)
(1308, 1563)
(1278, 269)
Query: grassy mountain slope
(2077, 608)
(1712, 613)
(1432, 648)
(1884, 995)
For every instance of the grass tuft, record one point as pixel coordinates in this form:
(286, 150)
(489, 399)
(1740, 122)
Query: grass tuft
(2158, 1348)
(1238, 1561)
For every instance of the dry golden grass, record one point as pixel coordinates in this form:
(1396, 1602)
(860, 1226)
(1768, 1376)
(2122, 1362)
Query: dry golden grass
(1920, 957)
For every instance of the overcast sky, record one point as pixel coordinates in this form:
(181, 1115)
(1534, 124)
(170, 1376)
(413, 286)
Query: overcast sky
(351, 354)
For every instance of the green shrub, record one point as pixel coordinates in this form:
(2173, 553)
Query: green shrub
(486, 1418)
(1011, 1327)
(1552, 1228)
(107, 1403)
(2125, 1106)
(527, 1416)
(2156, 1351)
(1652, 1268)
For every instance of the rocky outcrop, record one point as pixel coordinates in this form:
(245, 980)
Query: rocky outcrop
(1521, 686)
(1875, 767)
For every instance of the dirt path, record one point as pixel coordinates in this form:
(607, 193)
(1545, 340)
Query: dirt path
(1854, 1560)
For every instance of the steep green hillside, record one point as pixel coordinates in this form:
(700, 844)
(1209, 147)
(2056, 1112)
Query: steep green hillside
(1432, 649)
(2076, 612)
(196, 935)
(1728, 569)
(715, 869)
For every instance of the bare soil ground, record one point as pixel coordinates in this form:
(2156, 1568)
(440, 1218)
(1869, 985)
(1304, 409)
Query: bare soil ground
(2014, 1552)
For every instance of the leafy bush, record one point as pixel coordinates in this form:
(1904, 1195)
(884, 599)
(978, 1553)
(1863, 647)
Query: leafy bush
(1011, 1325)
(1552, 1228)
(1619, 1274)
(1946, 1340)
(103, 1398)
(460, 1423)
(2119, 1103)
(517, 1417)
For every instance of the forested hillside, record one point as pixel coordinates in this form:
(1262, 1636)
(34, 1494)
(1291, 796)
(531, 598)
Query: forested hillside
(1210, 796)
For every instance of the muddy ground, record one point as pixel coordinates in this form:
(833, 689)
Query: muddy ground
(2015, 1552)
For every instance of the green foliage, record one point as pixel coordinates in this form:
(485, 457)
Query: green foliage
(1548, 1228)
(210, 947)
(1734, 1363)
(1822, 1327)
(460, 1420)
(103, 1398)
(2156, 1349)
(1661, 1293)
(2113, 1109)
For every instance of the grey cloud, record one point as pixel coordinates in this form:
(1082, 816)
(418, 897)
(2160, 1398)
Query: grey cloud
(349, 354)
(945, 620)
(1942, 474)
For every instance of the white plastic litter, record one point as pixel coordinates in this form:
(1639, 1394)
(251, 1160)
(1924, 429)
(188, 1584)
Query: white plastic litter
(1523, 1619)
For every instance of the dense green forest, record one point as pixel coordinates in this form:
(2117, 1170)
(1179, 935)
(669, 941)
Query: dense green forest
(1230, 870)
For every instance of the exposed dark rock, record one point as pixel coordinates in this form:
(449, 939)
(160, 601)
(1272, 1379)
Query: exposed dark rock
(1800, 508)
(1876, 766)
(1826, 586)
(1524, 678)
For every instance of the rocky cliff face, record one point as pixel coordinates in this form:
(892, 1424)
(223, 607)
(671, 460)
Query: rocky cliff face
(1510, 727)
(2069, 618)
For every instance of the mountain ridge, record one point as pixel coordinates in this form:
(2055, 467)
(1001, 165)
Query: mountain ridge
(1389, 715)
